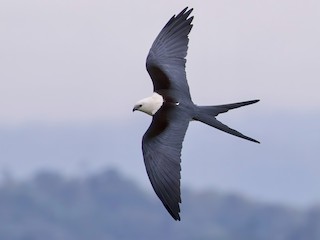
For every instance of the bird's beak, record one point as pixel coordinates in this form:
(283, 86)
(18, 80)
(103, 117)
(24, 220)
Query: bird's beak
(135, 108)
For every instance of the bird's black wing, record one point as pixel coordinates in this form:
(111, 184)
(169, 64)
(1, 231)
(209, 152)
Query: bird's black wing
(166, 59)
(161, 146)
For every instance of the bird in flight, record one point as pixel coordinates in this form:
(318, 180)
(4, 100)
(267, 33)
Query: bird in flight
(172, 109)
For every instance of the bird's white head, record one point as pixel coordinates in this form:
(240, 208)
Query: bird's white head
(149, 105)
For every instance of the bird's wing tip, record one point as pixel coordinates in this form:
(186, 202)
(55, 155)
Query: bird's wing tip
(176, 216)
(186, 11)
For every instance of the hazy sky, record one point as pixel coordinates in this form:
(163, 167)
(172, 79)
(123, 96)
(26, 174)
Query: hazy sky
(83, 61)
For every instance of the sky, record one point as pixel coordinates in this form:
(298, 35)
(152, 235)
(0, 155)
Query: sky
(70, 62)
(85, 60)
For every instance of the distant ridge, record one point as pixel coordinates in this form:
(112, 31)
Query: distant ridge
(109, 206)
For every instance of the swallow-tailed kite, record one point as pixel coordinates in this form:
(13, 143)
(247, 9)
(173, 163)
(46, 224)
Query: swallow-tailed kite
(172, 109)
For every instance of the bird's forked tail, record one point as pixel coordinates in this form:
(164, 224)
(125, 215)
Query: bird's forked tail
(207, 114)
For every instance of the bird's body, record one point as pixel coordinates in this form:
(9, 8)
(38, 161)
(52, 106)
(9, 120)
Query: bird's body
(172, 108)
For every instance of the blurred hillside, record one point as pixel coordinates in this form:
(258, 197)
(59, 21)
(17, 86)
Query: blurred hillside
(284, 168)
(108, 206)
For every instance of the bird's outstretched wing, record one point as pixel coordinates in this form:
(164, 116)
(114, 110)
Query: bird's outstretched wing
(166, 59)
(161, 146)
